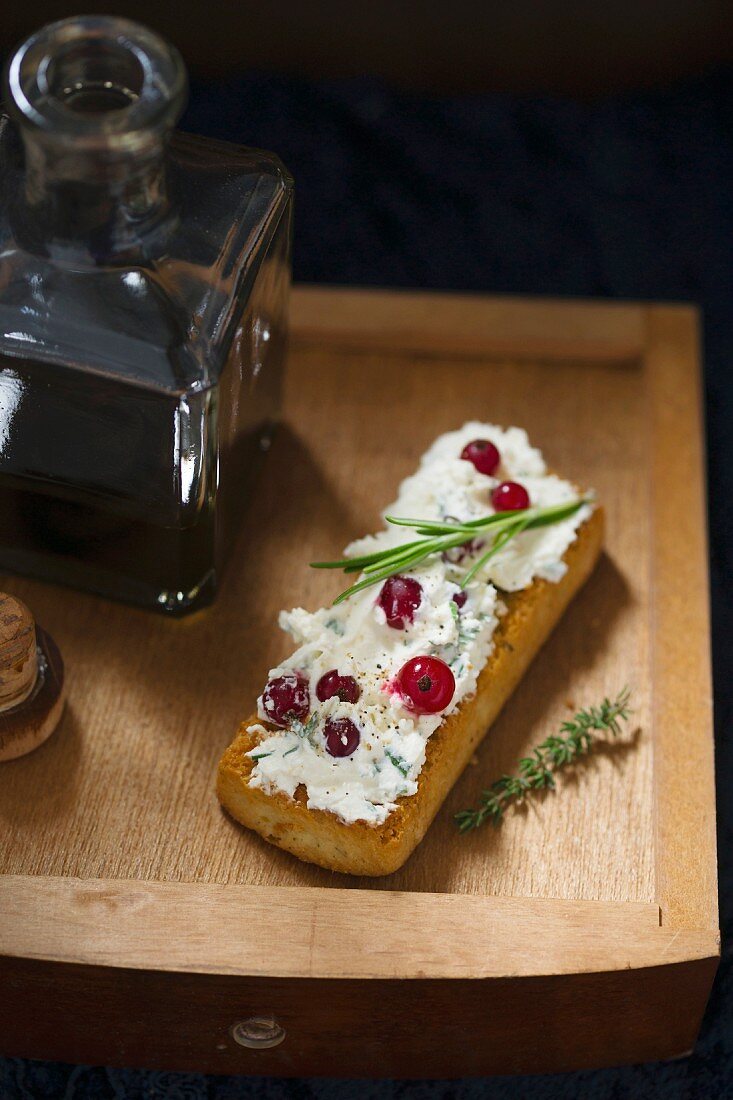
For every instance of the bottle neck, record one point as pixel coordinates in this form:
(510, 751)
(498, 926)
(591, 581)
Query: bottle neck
(91, 203)
(95, 99)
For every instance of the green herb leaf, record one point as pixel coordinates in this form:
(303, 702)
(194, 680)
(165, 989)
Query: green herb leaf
(537, 772)
(402, 766)
(434, 526)
(498, 544)
(441, 535)
(304, 729)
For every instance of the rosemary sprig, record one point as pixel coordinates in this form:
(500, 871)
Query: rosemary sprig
(498, 544)
(537, 772)
(438, 536)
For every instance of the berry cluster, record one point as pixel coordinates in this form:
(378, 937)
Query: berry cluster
(508, 496)
(426, 684)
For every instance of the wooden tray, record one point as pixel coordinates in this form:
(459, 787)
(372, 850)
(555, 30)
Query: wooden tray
(138, 923)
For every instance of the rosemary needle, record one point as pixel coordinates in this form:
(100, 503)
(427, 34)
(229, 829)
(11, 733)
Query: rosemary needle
(437, 536)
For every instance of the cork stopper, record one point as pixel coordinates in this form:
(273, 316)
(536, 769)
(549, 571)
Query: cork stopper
(31, 681)
(18, 652)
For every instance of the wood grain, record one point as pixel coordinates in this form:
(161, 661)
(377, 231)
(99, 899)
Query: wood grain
(422, 1028)
(466, 325)
(322, 933)
(152, 703)
(686, 866)
(583, 932)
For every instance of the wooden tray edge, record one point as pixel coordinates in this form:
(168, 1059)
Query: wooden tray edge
(467, 325)
(320, 933)
(686, 856)
(686, 847)
(343, 1028)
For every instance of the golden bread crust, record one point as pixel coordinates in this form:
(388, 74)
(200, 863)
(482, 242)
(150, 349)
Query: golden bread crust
(318, 836)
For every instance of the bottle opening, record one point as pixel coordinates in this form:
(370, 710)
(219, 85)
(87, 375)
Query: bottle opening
(94, 76)
(95, 79)
(96, 98)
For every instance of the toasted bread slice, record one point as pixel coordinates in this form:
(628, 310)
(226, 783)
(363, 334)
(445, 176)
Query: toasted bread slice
(318, 836)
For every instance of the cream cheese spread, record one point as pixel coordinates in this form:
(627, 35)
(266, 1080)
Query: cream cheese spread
(355, 639)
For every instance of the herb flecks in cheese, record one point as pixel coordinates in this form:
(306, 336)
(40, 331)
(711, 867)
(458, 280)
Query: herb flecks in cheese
(355, 639)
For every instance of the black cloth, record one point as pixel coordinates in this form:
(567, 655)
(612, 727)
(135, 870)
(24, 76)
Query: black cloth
(628, 198)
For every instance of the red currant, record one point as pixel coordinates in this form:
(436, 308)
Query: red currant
(483, 454)
(426, 684)
(344, 687)
(399, 598)
(510, 496)
(459, 598)
(342, 736)
(286, 697)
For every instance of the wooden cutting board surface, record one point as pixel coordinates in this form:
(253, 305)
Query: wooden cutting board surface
(125, 789)
(582, 932)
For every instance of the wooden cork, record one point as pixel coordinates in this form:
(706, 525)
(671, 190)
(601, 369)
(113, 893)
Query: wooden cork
(18, 652)
(31, 681)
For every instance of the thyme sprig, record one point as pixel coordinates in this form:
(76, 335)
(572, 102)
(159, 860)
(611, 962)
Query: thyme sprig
(537, 771)
(437, 536)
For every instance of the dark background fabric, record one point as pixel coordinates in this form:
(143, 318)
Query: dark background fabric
(627, 198)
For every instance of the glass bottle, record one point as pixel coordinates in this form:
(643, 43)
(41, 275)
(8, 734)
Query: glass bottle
(144, 278)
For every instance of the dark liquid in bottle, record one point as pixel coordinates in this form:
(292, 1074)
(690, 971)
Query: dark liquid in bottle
(95, 505)
(71, 542)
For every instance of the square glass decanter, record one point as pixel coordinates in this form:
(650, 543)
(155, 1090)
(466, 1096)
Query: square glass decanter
(144, 279)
